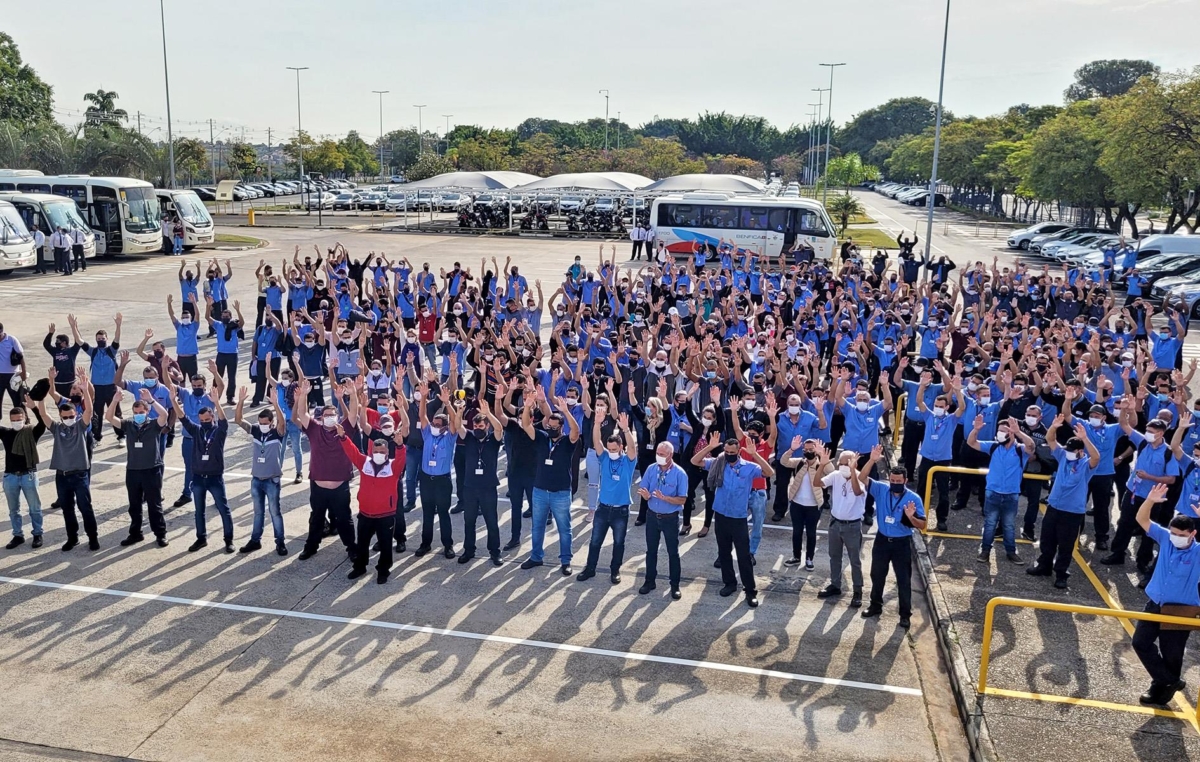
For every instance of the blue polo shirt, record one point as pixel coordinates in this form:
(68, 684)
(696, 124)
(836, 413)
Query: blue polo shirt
(889, 508)
(817, 431)
(911, 411)
(191, 404)
(1069, 492)
(671, 481)
(1177, 573)
(862, 429)
(186, 344)
(938, 442)
(1005, 467)
(804, 427)
(1189, 495)
(1155, 460)
(616, 479)
(1163, 351)
(732, 498)
(437, 454)
(991, 417)
(104, 363)
(1104, 438)
(157, 391)
(227, 337)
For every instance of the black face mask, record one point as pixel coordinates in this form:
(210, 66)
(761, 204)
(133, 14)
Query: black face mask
(553, 432)
(731, 457)
(809, 455)
(896, 489)
(480, 434)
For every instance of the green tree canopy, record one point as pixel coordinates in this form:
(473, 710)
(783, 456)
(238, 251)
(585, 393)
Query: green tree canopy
(24, 98)
(887, 122)
(102, 108)
(1108, 78)
(428, 164)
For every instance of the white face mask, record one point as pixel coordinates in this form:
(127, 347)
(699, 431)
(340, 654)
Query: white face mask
(707, 422)
(18, 425)
(435, 430)
(330, 421)
(938, 412)
(285, 382)
(1001, 436)
(1151, 437)
(416, 396)
(661, 459)
(844, 471)
(748, 404)
(1032, 421)
(387, 431)
(614, 455)
(985, 400)
(186, 320)
(265, 427)
(862, 407)
(972, 386)
(1180, 541)
(379, 458)
(793, 410)
(1072, 456)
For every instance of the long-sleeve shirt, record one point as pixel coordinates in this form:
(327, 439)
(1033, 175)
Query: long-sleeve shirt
(13, 462)
(377, 490)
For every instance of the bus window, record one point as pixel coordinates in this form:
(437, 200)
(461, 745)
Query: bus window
(8, 186)
(778, 220)
(720, 217)
(76, 192)
(34, 187)
(105, 212)
(753, 219)
(681, 215)
(809, 222)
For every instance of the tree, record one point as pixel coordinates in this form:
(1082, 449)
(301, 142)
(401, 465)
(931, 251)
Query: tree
(1064, 162)
(843, 206)
(848, 170)
(403, 146)
(723, 134)
(1108, 78)
(789, 166)
(191, 156)
(488, 150)
(656, 158)
(25, 99)
(735, 165)
(895, 119)
(242, 159)
(360, 158)
(912, 159)
(427, 165)
(102, 108)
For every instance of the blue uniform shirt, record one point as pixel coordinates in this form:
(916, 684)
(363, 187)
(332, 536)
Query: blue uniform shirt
(157, 391)
(890, 508)
(1163, 350)
(1154, 459)
(616, 479)
(186, 344)
(191, 404)
(438, 452)
(227, 337)
(938, 442)
(1189, 495)
(1005, 467)
(1177, 573)
(671, 481)
(1104, 438)
(1070, 491)
(804, 427)
(732, 498)
(104, 363)
(911, 411)
(862, 429)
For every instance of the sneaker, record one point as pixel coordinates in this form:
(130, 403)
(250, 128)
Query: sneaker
(281, 549)
(808, 564)
(566, 570)
(37, 541)
(356, 573)
(456, 510)
(984, 556)
(181, 501)
(1027, 534)
(251, 546)
(1013, 556)
(727, 591)
(132, 539)
(530, 564)
(646, 588)
(829, 592)
(197, 545)
(1113, 559)
(585, 575)
(298, 478)
(793, 561)
(1060, 583)
(229, 546)
(15, 541)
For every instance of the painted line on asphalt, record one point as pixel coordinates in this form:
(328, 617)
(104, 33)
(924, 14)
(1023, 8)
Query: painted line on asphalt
(504, 640)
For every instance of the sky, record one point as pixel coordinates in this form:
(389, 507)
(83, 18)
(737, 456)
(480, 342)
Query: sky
(497, 62)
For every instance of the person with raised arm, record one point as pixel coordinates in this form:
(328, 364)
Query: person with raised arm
(144, 461)
(266, 469)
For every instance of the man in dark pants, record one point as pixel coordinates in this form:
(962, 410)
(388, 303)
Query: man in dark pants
(731, 479)
(437, 455)
(39, 243)
(77, 239)
(1067, 503)
(914, 421)
(377, 498)
(899, 511)
(937, 447)
(1172, 590)
(1041, 464)
(60, 244)
(1155, 465)
(617, 462)
(481, 482)
(1100, 489)
(144, 465)
(664, 488)
(522, 467)
(329, 473)
(103, 371)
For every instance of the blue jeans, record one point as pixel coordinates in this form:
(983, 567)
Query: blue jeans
(178, 244)
(293, 440)
(617, 517)
(265, 494)
(758, 514)
(412, 470)
(185, 450)
(202, 487)
(557, 504)
(1002, 508)
(14, 487)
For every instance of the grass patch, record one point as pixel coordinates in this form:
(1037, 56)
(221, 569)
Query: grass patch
(869, 237)
(243, 240)
(861, 219)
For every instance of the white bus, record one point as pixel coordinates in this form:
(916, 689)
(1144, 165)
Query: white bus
(197, 224)
(122, 211)
(16, 242)
(50, 212)
(755, 224)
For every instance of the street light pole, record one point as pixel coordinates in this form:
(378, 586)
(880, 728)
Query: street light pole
(420, 130)
(812, 126)
(447, 135)
(605, 94)
(162, 15)
(300, 131)
(816, 157)
(937, 138)
(381, 93)
(618, 130)
(829, 128)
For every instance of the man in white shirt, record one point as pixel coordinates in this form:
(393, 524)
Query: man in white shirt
(77, 241)
(39, 243)
(60, 242)
(638, 236)
(847, 501)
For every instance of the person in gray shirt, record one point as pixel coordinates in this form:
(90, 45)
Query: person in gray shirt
(266, 469)
(72, 464)
(144, 463)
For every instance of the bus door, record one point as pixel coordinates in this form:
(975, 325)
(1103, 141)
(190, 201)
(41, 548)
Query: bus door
(105, 218)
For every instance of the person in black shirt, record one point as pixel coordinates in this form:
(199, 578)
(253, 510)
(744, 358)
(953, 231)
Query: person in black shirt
(20, 471)
(522, 458)
(208, 466)
(144, 465)
(63, 354)
(480, 482)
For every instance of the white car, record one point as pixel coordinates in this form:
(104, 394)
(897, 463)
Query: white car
(397, 201)
(1019, 239)
(450, 202)
(322, 200)
(571, 204)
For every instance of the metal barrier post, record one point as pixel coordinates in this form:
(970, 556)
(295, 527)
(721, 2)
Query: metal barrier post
(901, 405)
(928, 492)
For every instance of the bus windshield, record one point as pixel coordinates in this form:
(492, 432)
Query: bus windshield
(142, 209)
(64, 214)
(12, 227)
(191, 208)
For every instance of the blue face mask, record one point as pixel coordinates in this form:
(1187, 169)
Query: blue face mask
(151, 383)
(139, 418)
(383, 409)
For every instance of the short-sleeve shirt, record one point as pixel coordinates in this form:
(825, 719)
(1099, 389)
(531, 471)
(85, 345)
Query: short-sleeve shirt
(732, 498)
(1154, 459)
(553, 462)
(1177, 572)
(616, 479)
(862, 429)
(1070, 490)
(938, 442)
(1005, 467)
(437, 454)
(671, 482)
(889, 508)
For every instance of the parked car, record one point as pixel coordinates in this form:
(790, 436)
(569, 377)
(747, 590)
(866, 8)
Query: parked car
(569, 204)
(398, 179)
(1019, 239)
(346, 200)
(605, 204)
(1067, 234)
(374, 201)
(205, 194)
(322, 200)
(546, 203)
(450, 202)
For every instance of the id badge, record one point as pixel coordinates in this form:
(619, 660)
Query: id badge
(137, 445)
(549, 461)
(616, 478)
(433, 464)
(890, 520)
(262, 460)
(479, 472)
(203, 457)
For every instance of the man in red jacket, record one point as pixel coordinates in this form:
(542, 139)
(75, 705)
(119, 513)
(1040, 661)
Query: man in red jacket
(376, 502)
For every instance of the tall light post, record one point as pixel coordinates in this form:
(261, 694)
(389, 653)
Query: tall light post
(937, 138)
(829, 127)
(162, 15)
(618, 130)
(420, 130)
(447, 135)
(816, 157)
(299, 129)
(812, 141)
(381, 93)
(605, 94)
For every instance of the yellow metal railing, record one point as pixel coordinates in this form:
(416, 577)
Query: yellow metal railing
(898, 423)
(928, 495)
(1070, 608)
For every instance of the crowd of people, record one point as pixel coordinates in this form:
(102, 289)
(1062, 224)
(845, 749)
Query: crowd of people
(744, 381)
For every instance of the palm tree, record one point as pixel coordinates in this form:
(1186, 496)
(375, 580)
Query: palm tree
(844, 206)
(103, 108)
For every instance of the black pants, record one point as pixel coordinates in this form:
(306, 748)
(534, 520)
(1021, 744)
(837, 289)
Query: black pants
(145, 485)
(1032, 491)
(188, 366)
(336, 502)
(941, 480)
(520, 494)
(80, 262)
(914, 432)
(804, 529)
(734, 535)
(696, 477)
(260, 378)
(227, 364)
(637, 250)
(1060, 529)
(40, 267)
(869, 503)
(62, 261)
(666, 526)
(380, 529)
(1159, 650)
(435, 499)
(104, 396)
(896, 552)
(74, 490)
(460, 472)
(259, 310)
(1100, 490)
(969, 457)
(479, 500)
(1128, 528)
(783, 477)
(316, 391)
(400, 525)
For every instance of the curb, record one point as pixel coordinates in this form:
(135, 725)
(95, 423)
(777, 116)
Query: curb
(973, 719)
